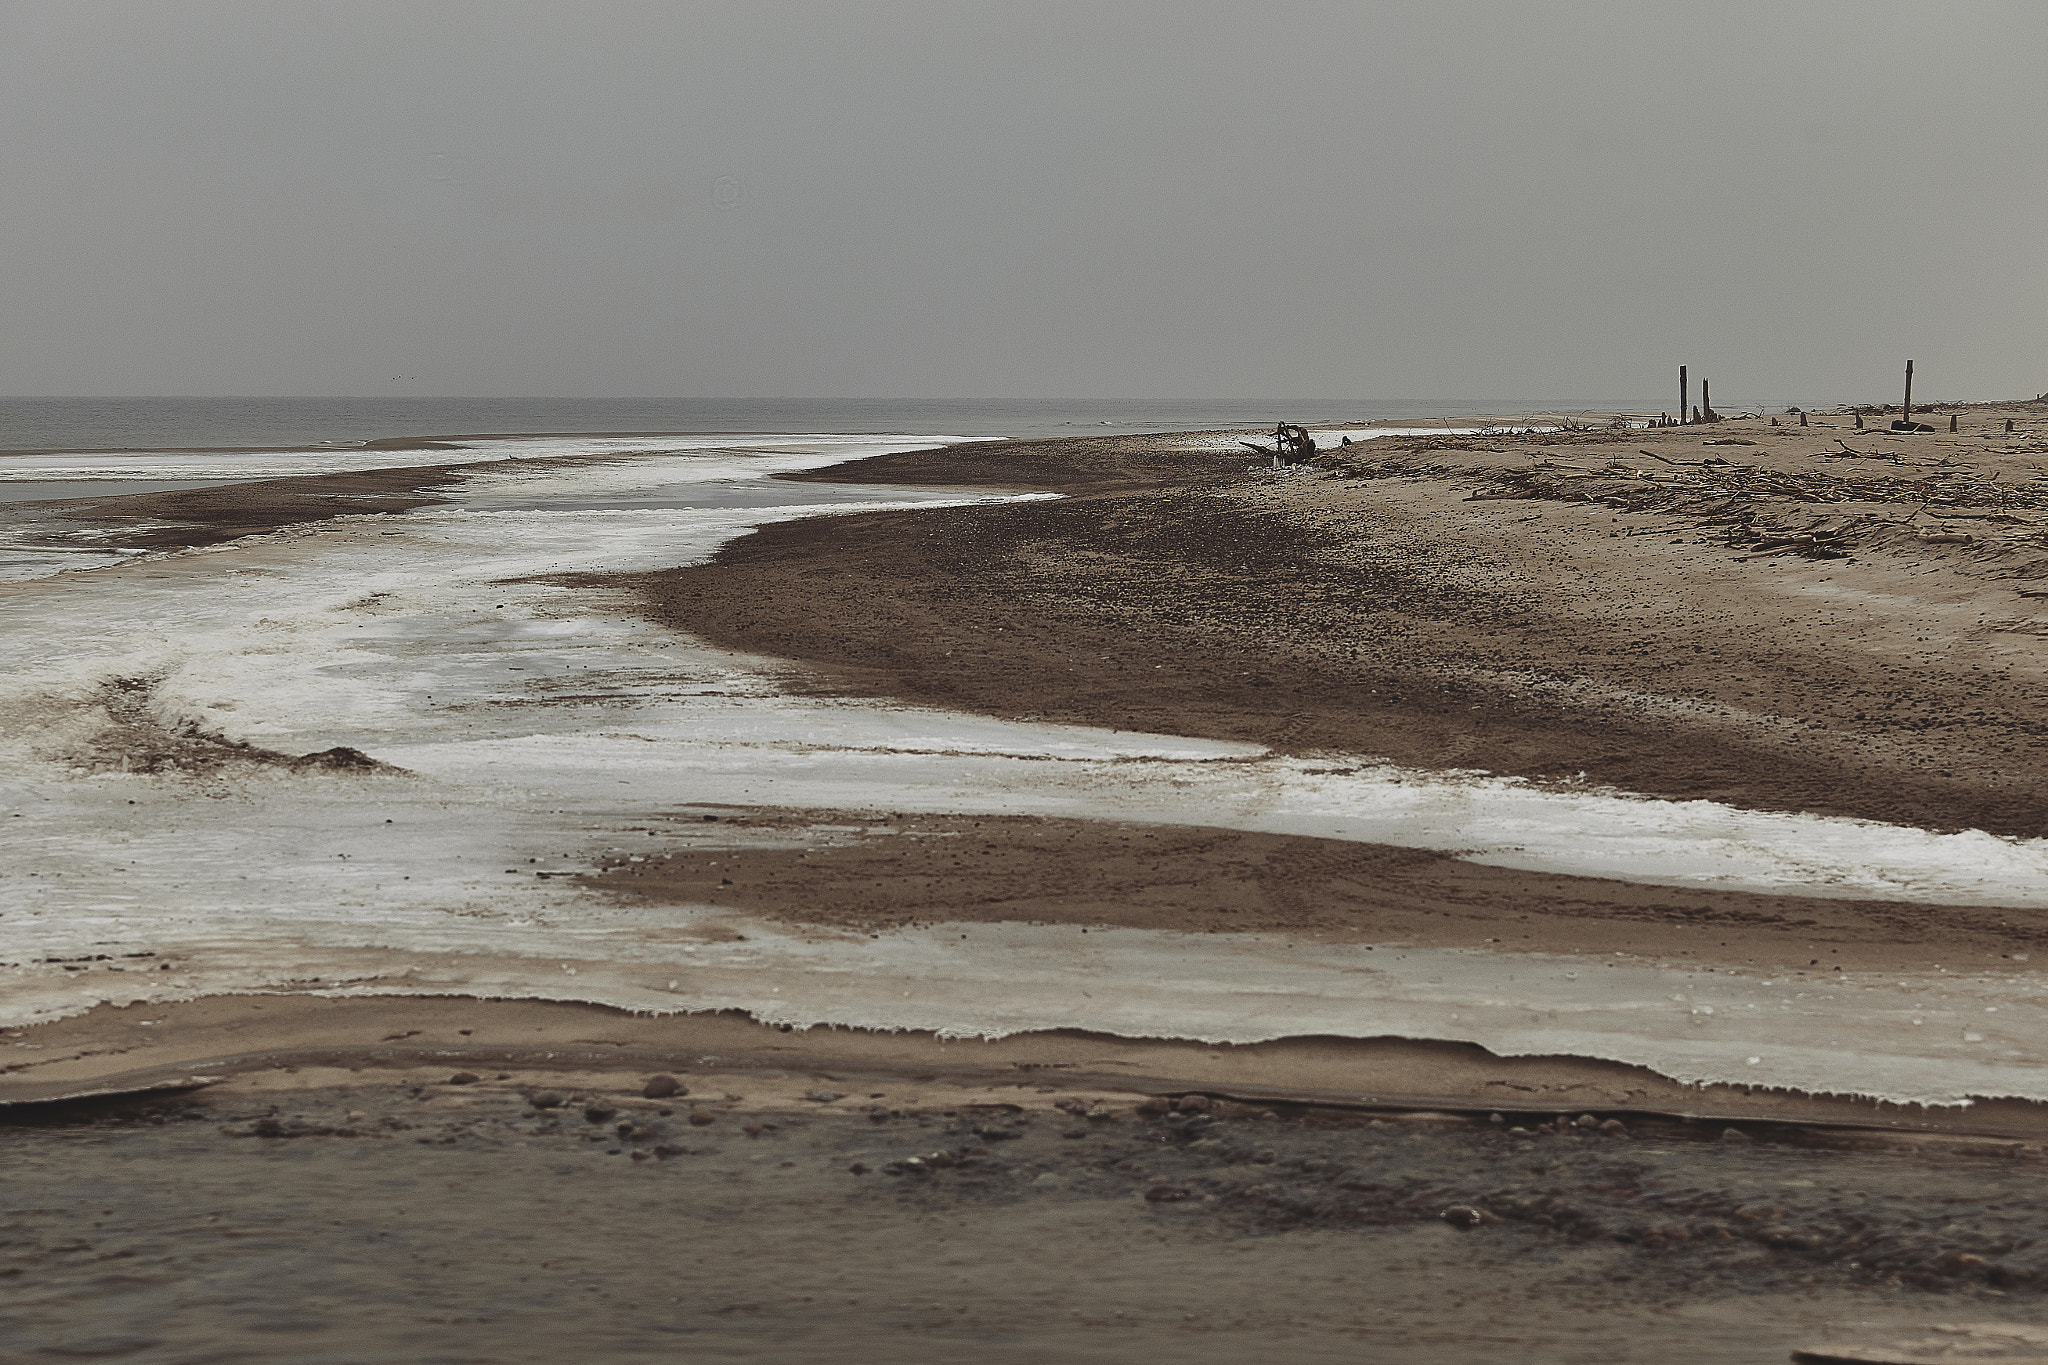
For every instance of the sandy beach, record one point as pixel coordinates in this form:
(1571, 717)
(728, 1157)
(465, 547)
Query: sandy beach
(1132, 856)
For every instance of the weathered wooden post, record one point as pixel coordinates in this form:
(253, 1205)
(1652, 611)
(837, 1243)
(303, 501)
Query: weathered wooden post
(1859, 421)
(1802, 419)
(1951, 423)
(1707, 400)
(1684, 395)
(1907, 415)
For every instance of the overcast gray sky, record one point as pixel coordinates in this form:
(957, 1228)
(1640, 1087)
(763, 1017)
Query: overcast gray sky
(1437, 198)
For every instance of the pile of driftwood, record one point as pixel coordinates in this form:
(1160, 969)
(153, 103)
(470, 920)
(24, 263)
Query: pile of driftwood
(1291, 445)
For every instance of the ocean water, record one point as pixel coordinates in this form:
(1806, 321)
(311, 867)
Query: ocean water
(217, 423)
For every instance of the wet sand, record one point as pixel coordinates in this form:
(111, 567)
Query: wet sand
(776, 1215)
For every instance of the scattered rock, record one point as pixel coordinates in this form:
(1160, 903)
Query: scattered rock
(1099, 1113)
(1193, 1104)
(1587, 1121)
(821, 1096)
(702, 1118)
(1614, 1128)
(1152, 1108)
(464, 1078)
(1735, 1135)
(661, 1087)
(1467, 1216)
(1167, 1194)
(858, 1168)
(546, 1099)
(597, 1111)
(267, 1128)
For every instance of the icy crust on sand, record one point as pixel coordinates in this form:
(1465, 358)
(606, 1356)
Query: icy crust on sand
(536, 725)
(1931, 1040)
(147, 465)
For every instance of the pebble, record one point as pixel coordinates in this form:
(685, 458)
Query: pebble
(821, 1096)
(464, 1078)
(661, 1087)
(597, 1111)
(546, 1099)
(701, 1118)
(1614, 1128)
(1194, 1104)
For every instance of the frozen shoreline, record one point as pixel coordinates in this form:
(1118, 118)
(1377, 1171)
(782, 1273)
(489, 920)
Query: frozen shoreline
(534, 721)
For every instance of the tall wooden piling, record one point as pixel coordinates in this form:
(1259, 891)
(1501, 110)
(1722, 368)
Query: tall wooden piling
(1907, 415)
(1684, 395)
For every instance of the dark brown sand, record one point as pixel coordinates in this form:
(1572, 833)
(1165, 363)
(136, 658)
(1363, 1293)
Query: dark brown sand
(1393, 616)
(208, 516)
(889, 870)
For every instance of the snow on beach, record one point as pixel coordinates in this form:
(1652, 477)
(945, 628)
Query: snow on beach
(532, 718)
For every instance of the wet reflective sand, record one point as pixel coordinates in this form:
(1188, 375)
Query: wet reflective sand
(923, 1221)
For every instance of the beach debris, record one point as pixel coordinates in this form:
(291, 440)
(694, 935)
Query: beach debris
(1291, 444)
(661, 1087)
